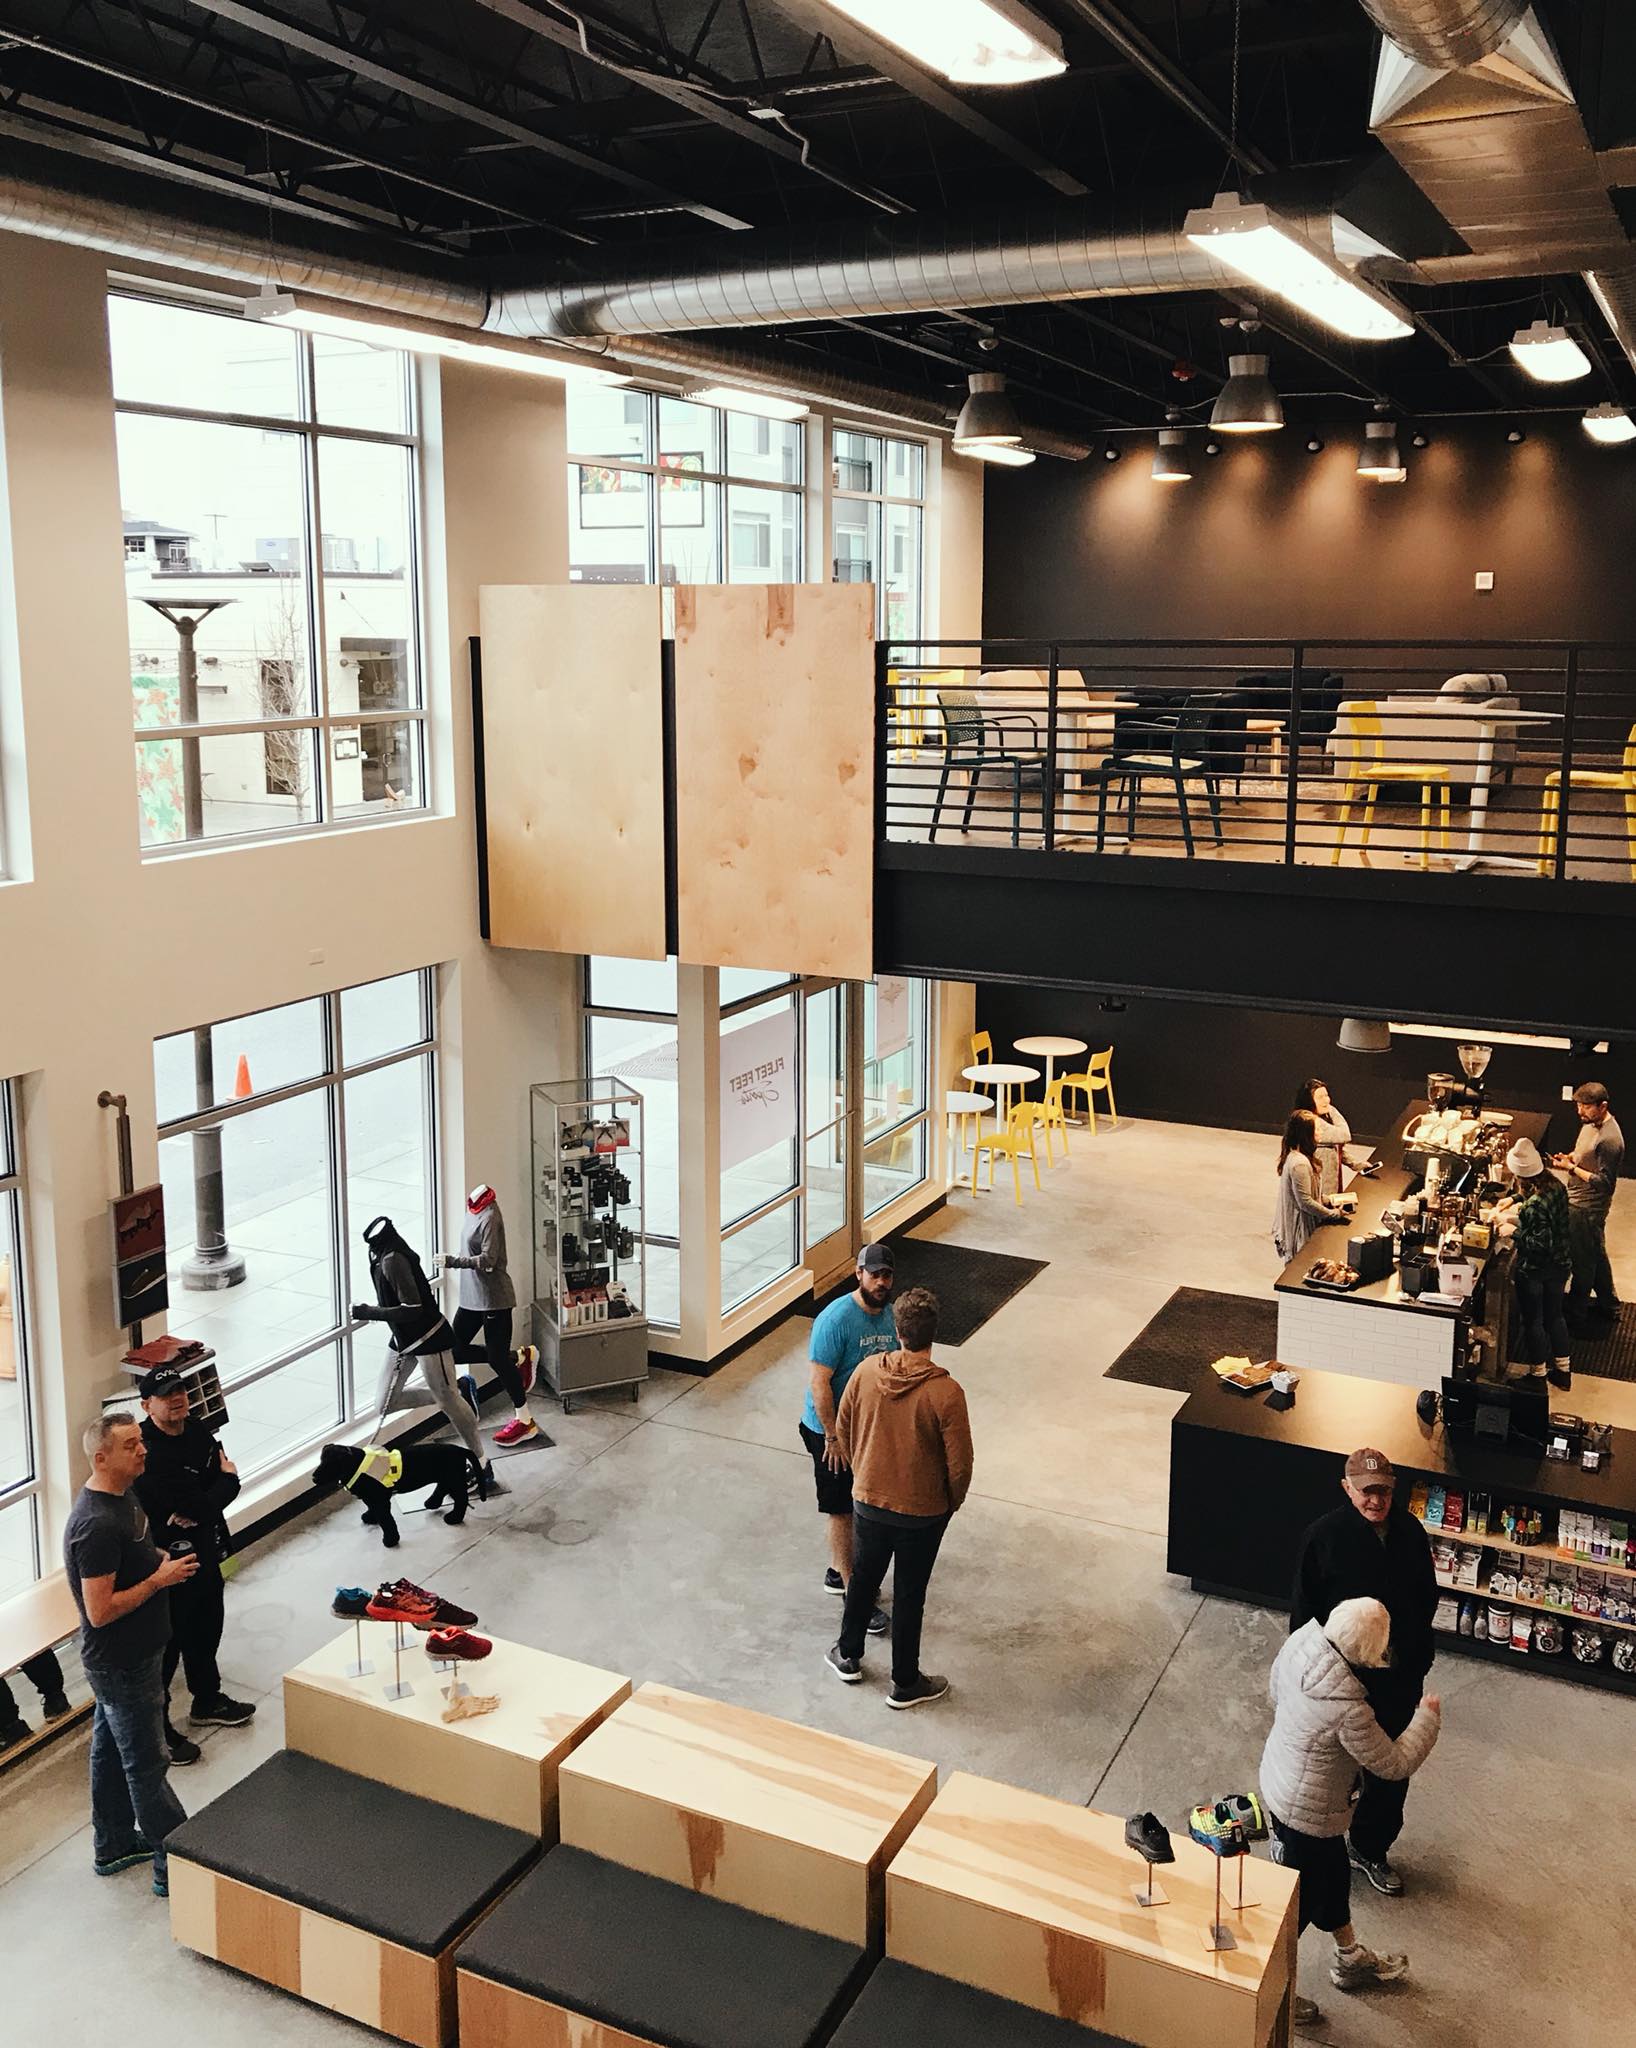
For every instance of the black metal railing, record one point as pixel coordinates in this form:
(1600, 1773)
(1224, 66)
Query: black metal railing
(1395, 755)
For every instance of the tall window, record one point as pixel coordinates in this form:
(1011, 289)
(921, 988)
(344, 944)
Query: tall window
(760, 1132)
(630, 1030)
(19, 1481)
(661, 490)
(281, 1134)
(269, 482)
(895, 1120)
(879, 524)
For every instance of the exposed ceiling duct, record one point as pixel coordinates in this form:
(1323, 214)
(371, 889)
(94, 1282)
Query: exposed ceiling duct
(858, 273)
(1446, 33)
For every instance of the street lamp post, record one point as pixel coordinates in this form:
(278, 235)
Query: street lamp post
(212, 1264)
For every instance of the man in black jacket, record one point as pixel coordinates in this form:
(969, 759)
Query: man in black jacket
(1373, 1549)
(185, 1489)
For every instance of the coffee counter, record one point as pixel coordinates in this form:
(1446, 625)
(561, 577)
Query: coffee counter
(1376, 1331)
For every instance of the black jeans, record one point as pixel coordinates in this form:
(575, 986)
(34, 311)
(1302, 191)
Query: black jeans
(495, 1349)
(1541, 1334)
(43, 1672)
(195, 1635)
(1593, 1272)
(911, 1553)
(1377, 1819)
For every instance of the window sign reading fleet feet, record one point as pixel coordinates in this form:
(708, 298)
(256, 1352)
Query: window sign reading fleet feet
(758, 1093)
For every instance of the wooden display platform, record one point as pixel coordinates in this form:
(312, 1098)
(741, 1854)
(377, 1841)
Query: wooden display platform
(324, 1961)
(765, 1814)
(494, 2016)
(1031, 1899)
(503, 1765)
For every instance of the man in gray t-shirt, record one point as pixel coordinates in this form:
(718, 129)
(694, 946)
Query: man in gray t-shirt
(120, 1581)
(1592, 1172)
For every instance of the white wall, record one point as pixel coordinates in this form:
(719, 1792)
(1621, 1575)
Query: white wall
(100, 952)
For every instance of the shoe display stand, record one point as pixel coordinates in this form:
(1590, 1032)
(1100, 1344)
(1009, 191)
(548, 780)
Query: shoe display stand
(588, 1307)
(505, 1764)
(1242, 1540)
(1029, 1899)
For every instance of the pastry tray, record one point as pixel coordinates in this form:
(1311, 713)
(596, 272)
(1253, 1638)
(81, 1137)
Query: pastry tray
(1333, 1286)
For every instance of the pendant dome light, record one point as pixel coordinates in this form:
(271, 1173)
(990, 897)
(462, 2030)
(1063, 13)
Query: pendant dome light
(1247, 403)
(1170, 459)
(988, 419)
(1380, 458)
(1549, 354)
(1609, 424)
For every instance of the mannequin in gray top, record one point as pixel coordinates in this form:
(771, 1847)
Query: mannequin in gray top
(486, 1299)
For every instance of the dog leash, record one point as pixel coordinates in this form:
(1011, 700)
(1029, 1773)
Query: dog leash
(394, 1465)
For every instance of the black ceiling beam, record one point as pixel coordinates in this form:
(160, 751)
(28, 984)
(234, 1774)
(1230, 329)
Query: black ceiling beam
(844, 34)
(1115, 27)
(293, 36)
(700, 97)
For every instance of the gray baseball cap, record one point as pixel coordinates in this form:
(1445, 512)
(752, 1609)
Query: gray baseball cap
(877, 1258)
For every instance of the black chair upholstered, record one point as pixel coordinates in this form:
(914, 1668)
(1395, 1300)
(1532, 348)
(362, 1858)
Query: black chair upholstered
(901, 2005)
(662, 1962)
(399, 1867)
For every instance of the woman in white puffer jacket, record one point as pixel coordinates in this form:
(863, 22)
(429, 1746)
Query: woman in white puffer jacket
(1324, 1732)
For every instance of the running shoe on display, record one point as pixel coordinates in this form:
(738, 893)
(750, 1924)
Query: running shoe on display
(351, 1603)
(396, 1603)
(1149, 1837)
(449, 1644)
(445, 1614)
(1216, 1829)
(1247, 1810)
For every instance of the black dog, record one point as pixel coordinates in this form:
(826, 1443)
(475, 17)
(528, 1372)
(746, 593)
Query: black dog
(449, 1470)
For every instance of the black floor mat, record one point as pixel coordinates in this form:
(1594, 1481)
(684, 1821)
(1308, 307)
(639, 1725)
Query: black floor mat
(969, 1285)
(1610, 1355)
(1193, 1330)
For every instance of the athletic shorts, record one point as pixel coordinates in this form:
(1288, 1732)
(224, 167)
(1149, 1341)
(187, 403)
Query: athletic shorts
(834, 1488)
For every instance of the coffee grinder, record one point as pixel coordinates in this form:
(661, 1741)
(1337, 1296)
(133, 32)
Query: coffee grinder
(1474, 1061)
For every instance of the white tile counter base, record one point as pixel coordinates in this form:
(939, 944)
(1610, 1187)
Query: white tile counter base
(1334, 1334)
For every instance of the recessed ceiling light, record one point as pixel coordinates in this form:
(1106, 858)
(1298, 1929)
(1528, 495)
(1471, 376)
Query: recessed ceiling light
(974, 42)
(1609, 424)
(434, 338)
(1549, 354)
(1253, 241)
(765, 405)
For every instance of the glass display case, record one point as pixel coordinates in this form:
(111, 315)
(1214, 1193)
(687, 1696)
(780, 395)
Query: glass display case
(588, 1311)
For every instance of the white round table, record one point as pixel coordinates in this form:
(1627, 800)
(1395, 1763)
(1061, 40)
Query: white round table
(1051, 1050)
(960, 1103)
(1004, 1075)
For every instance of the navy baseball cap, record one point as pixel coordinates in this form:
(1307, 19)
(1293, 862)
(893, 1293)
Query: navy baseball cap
(877, 1258)
(164, 1379)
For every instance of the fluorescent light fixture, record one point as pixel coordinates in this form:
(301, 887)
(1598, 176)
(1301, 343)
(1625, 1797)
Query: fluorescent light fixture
(1491, 1037)
(974, 42)
(426, 338)
(1381, 458)
(1253, 241)
(765, 405)
(1247, 403)
(1170, 463)
(1609, 424)
(1549, 354)
(988, 418)
(1000, 453)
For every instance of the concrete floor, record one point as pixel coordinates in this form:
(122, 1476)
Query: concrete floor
(677, 1539)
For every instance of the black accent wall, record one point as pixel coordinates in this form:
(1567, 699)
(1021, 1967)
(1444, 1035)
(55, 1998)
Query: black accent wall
(1268, 540)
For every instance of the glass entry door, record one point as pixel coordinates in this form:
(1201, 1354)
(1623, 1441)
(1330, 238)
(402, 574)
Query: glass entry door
(832, 1164)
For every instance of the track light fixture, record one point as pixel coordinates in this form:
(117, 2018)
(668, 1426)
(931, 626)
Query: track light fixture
(1110, 454)
(1314, 445)
(988, 419)
(1419, 440)
(1515, 435)
(1549, 354)
(1212, 447)
(1247, 403)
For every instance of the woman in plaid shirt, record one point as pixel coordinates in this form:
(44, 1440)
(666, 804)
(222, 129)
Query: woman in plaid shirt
(1538, 1229)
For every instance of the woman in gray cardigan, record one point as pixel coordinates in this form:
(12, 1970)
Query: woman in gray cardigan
(1324, 1733)
(1301, 1208)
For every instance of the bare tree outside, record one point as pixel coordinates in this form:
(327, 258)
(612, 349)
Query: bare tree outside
(281, 694)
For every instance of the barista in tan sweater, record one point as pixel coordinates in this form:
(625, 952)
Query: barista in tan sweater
(902, 1428)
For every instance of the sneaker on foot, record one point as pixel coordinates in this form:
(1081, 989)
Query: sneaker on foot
(182, 1752)
(1355, 1969)
(111, 1866)
(925, 1689)
(517, 1431)
(528, 1360)
(468, 1390)
(1379, 1873)
(161, 1886)
(834, 1583)
(1307, 2012)
(221, 1712)
(55, 1705)
(14, 1731)
(879, 1623)
(849, 1670)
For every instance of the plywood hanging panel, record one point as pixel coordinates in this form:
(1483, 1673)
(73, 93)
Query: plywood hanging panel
(775, 820)
(574, 768)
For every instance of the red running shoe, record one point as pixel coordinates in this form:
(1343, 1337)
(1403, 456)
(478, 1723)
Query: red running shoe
(517, 1431)
(452, 1644)
(399, 1603)
(528, 1360)
(445, 1614)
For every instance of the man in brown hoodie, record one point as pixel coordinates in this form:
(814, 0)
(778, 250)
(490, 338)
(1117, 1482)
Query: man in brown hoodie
(902, 1428)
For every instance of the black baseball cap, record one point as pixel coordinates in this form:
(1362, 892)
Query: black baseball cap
(164, 1379)
(877, 1258)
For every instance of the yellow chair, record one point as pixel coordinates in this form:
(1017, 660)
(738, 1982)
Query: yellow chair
(1097, 1079)
(1622, 779)
(1369, 768)
(1016, 1139)
(1056, 1118)
(982, 1048)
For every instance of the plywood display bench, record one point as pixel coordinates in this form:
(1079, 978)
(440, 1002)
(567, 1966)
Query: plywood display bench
(1028, 1899)
(502, 1766)
(720, 1885)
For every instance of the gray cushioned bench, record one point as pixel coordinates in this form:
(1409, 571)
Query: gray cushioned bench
(901, 2005)
(650, 1961)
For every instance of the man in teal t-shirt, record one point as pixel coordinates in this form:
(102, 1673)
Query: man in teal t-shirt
(846, 1333)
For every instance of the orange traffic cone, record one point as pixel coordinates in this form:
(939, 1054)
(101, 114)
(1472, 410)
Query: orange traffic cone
(241, 1080)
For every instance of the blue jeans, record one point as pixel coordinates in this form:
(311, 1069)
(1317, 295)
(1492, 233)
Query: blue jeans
(132, 1805)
